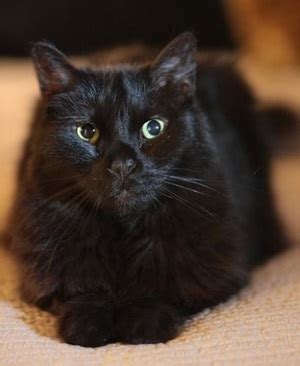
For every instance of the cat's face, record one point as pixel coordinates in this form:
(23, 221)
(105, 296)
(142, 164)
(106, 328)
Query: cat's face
(117, 134)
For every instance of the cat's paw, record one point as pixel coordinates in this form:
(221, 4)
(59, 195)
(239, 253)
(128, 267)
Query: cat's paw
(87, 323)
(147, 321)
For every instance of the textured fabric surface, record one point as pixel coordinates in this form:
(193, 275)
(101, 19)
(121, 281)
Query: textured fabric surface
(259, 326)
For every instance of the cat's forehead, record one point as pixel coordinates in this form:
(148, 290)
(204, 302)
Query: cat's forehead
(108, 95)
(122, 85)
(104, 95)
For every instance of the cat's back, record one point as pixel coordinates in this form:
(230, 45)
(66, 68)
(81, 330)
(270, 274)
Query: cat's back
(243, 150)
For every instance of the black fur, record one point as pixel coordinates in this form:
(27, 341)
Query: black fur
(129, 255)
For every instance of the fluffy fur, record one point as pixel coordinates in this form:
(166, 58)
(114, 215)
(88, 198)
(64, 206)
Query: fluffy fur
(128, 254)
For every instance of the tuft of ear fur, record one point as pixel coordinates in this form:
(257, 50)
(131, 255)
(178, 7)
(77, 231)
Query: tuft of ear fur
(176, 65)
(54, 72)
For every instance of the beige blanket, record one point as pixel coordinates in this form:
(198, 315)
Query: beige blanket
(260, 326)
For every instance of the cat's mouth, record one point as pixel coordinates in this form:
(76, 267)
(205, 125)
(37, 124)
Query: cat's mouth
(121, 199)
(124, 196)
(127, 199)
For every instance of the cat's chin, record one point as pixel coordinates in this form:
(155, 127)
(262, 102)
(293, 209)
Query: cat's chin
(124, 200)
(122, 203)
(127, 202)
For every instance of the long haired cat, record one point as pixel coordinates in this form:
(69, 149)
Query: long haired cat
(144, 194)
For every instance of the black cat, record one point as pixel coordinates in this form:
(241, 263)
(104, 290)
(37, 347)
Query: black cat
(144, 194)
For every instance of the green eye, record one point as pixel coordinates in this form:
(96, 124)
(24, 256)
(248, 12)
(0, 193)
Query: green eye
(153, 128)
(89, 133)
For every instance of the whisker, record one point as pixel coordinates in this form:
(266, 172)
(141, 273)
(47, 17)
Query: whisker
(155, 200)
(196, 181)
(81, 197)
(191, 204)
(187, 170)
(113, 173)
(62, 223)
(183, 187)
(35, 210)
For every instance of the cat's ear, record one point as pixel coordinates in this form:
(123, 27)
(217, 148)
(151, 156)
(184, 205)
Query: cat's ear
(54, 71)
(176, 65)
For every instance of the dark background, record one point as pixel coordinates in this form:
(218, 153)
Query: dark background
(84, 26)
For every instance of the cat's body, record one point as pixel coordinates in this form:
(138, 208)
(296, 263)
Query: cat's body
(154, 230)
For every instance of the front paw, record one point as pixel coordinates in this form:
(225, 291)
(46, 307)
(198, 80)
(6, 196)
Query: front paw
(87, 321)
(147, 321)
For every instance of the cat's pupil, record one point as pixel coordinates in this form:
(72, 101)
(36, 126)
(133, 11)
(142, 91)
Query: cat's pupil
(153, 127)
(88, 131)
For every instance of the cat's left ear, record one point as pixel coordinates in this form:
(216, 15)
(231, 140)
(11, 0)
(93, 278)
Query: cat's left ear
(176, 65)
(55, 73)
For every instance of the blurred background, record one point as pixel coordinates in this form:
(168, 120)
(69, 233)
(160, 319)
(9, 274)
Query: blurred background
(268, 29)
(82, 26)
(265, 35)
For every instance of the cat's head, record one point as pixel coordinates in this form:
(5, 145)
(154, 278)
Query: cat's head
(117, 133)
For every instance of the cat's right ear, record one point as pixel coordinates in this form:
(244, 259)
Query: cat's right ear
(175, 67)
(54, 71)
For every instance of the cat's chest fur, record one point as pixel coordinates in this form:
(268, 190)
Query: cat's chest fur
(166, 253)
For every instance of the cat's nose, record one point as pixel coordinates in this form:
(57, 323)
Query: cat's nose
(123, 167)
